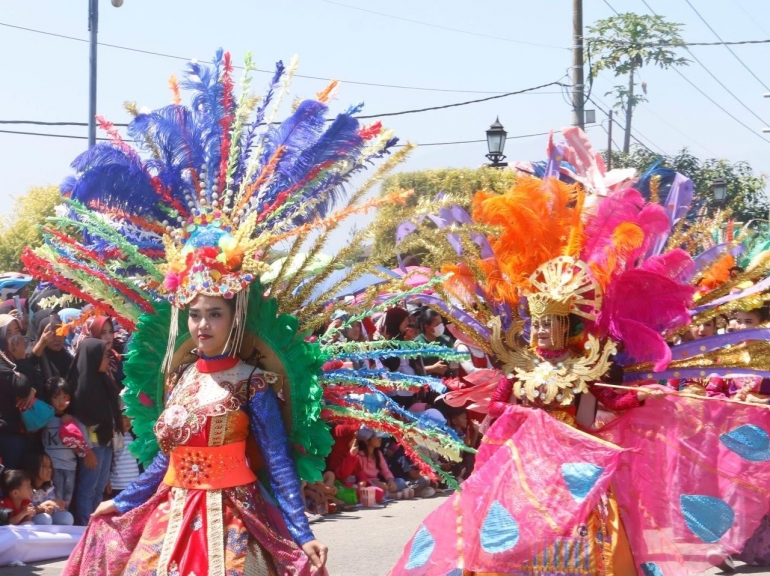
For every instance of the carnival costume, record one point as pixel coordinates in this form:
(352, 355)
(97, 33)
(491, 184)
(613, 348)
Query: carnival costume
(549, 490)
(202, 212)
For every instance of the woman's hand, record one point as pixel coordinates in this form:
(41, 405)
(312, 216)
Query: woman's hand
(653, 391)
(439, 368)
(49, 507)
(106, 507)
(391, 485)
(314, 550)
(17, 346)
(48, 335)
(90, 460)
(27, 402)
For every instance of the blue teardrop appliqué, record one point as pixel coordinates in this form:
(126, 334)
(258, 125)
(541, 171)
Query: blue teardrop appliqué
(749, 442)
(580, 477)
(651, 569)
(500, 532)
(422, 547)
(708, 517)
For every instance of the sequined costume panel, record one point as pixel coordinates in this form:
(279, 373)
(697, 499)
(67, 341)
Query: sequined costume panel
(186, 531)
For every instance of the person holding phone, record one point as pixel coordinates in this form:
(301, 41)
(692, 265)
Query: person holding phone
(52, 357)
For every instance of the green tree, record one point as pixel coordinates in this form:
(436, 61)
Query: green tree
(746, 191)
(626, 43)
(21, 227)
(460, 183)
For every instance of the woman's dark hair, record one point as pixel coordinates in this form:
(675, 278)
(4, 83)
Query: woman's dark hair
(13, 480)
(363, 448)
(393, 318)
(426, 318)
(55, 386)
(33, 462)
(763, 313)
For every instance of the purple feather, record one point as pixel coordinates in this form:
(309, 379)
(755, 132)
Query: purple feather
(259, 118)
(115, 178)
(341, 140)
(295, 134)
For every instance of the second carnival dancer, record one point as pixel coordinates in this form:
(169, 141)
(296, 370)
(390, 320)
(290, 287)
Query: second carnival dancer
(563, 296)
(176, 243)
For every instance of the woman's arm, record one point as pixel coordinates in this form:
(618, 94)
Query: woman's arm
(141, 489)
(268, 429)
(384, 468)
(615, 401)
(501, 397)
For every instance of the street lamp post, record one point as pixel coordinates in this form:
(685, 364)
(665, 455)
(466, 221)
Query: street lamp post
(719, 192)
(93, 28)
(496, 144)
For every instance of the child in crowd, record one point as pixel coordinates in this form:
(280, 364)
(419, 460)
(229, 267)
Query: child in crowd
(407, 475)
(374, 470)
(48, 509)
(17, 488)
(63, 440)
(125, 468)
(468, 431)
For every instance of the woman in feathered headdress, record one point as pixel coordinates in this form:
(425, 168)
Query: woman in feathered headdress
(186, 242)
(564, 296)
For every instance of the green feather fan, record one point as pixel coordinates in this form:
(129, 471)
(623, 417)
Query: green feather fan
(299, 362)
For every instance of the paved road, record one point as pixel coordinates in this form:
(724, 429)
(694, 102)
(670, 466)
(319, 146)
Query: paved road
(363, 543)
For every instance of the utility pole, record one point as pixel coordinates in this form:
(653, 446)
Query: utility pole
(578, 101)
(93, 28)
(609, 144)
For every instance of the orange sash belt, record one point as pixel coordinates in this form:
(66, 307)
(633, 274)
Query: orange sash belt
(209, 468)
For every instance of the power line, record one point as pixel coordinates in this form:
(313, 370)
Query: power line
(260, 70)
(754, 20)
(70, 136)
(685, 44)
(360, 117)
(750, 71)
(606, 131)
(691, 83)
(710, 73)
(651, 111)
(615, 121)
(469, 33)
(73, 137)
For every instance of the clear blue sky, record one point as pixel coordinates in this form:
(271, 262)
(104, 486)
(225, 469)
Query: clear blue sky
(46, 78)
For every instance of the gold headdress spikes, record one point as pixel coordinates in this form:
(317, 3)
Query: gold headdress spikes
(564, 286)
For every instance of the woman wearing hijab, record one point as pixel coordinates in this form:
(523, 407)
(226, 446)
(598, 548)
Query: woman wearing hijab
(95, 405)
(52, 356)
(103, 328)
(16, 394)
(13, 345)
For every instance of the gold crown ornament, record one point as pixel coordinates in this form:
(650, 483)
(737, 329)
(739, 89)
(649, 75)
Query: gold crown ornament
(564, 286)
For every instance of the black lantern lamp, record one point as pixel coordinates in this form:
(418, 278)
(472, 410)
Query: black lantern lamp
(496, 143)
(719, 192)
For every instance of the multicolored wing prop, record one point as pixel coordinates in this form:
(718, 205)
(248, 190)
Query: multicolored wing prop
(695, 478)
(538, 478)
